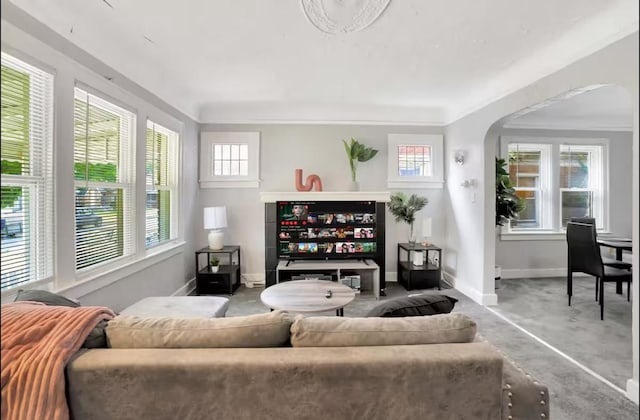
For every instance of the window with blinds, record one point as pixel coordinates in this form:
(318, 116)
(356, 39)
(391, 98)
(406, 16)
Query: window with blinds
(104, 168)
(528, 172)
(27, 173)
(581, 176)
(161, 181)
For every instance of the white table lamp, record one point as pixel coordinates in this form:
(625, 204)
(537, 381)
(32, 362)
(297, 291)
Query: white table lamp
(215, 219)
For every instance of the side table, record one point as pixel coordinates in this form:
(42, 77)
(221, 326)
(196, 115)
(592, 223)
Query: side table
(423, 276)
(226, 279)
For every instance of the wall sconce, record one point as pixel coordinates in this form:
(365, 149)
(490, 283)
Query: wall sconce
(459, 156)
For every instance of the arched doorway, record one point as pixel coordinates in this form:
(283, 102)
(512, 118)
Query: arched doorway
(535, 251)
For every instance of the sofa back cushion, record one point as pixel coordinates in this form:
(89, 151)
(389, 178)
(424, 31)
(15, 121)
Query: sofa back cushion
(345, 332)
(262, 330)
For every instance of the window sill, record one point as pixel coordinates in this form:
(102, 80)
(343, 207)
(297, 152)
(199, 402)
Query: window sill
(107, 277)
(230, 184)
(533, 236)
(541, 236)
(409, 184)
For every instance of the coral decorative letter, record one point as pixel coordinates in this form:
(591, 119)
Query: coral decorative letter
(311, 182)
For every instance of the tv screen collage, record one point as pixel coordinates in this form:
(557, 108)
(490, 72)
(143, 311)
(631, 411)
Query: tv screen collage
(313, 230)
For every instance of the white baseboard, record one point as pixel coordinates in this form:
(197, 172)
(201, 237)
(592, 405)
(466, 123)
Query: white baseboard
(487, 299)
(251, 280)
(391, 276)
(633, 390)
(186, 289)
(528, 273)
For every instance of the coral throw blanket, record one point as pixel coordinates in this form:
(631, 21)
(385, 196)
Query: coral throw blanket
(37, 343)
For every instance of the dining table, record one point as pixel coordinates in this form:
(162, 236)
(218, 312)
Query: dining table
(620, 245)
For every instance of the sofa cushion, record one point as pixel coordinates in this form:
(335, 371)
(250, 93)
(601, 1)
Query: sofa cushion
(262, 330)
(345, 332)
(415, 305)
(95, 339)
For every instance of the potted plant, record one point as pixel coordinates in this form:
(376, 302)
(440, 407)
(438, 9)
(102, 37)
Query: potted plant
(357, 152)
(508, 204)
(214, 263)
(404, 209)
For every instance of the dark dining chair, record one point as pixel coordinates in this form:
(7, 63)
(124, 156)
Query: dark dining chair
(611, 262)
(584, 257)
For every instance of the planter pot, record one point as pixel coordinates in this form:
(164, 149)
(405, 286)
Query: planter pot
(497, 276)
(214, 268)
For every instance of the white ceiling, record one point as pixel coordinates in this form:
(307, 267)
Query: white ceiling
(605, 108)
(422, 61)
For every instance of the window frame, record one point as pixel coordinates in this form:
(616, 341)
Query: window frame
(434, 141)
(126, 181)
(208, 141)
(544, 212)
(174, 152)
(596, 184)
(41, 177)
(554, 203)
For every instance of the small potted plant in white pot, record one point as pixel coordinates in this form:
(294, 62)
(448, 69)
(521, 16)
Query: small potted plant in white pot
(214, 263)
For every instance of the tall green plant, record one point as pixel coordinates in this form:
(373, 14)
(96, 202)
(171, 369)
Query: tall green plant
(404, 208)
(357, 152)
(508, 204)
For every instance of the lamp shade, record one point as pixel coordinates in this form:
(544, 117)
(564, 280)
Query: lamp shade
(215, 217)
(426, 227)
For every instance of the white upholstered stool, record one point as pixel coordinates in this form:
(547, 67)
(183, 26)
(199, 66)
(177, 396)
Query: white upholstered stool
(179, 307)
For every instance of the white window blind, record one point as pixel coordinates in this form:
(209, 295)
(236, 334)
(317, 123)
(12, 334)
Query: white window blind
(104, 168)
(27, 173)
(161, 181)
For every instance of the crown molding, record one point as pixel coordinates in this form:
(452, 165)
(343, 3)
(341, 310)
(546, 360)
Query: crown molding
(568, 125)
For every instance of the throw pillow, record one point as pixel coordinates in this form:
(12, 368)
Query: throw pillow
(46, 297)
(262, 330)
(416, 305)
(346, 332)
(95, 339)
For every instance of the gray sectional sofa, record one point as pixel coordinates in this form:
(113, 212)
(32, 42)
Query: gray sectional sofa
(307, 368)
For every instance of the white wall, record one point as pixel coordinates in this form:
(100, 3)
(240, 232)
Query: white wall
(470, 229)
(31, 41)
(317, 149)
(545, 257)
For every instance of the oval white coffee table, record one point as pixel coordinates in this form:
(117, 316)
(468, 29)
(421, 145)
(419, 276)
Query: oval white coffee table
(308, 296)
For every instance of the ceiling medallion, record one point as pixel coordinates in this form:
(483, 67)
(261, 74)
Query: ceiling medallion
(343, 16)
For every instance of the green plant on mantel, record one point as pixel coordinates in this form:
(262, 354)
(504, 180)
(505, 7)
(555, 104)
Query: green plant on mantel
(357, 152)
(404, 209)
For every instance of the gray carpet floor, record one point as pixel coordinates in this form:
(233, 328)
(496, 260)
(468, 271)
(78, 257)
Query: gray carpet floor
(574, 394)
(540, 306)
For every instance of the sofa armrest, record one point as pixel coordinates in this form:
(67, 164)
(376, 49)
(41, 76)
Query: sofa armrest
(523, 397)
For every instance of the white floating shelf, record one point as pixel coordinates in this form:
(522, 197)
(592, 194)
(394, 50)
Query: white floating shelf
(272, 197)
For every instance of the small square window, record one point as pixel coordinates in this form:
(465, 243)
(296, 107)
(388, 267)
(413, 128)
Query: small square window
(231, 159)
(415, 161)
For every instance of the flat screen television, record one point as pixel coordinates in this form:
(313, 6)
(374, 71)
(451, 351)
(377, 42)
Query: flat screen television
(326, 229)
